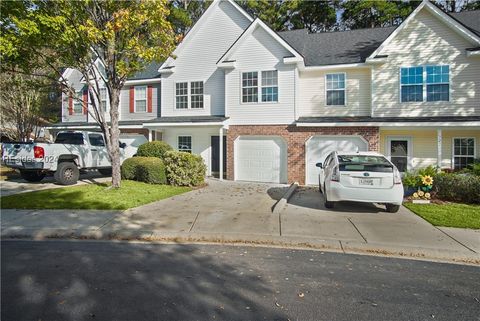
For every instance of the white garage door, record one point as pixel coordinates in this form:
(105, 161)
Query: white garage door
(261, 159)
(318, 147)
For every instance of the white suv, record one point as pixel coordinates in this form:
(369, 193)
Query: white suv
(361, 177)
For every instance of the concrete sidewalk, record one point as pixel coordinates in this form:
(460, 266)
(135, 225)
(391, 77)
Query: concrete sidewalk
(242, 213)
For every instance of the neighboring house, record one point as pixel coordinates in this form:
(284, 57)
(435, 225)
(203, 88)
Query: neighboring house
(274, 103)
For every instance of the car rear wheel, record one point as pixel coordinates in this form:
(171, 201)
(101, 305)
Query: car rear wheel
(328, 204)
(392, 208)
(32, 176)
(67, 173)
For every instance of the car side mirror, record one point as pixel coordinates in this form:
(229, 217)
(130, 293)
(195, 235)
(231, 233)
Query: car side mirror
(319, 165)
(123, 145)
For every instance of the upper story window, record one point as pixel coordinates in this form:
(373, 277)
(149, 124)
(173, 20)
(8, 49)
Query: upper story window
(463, 152)
(270, 86)
(78, 103)
(196, 94)
(438, 83)
(140, 99)
(189, 92)
(185, 144)
(335, 88)
(266, 85)
(181, 95)
(250, 87)
(104, 98)
(424, 83)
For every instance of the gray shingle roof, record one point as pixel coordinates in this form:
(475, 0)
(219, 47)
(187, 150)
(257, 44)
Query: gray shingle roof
(151, 71)
(470, 19)
(360, 119)
(340, 47)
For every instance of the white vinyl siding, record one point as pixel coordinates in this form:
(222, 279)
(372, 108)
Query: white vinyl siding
(198, 61)
(312, 93)
(261, 52)
(124, 107)
(427, 41)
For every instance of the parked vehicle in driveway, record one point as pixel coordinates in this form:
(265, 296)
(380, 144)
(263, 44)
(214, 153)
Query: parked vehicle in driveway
(362, 177)
(72, 151)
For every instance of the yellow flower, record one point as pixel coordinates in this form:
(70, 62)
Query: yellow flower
(421, 193)
(427, 196)
(415, 195)
(427, 180)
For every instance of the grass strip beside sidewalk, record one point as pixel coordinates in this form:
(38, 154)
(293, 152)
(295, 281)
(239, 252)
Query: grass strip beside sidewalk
(93, 196)
(448, 214)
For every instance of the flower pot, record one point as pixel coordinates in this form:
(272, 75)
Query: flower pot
(408, 191)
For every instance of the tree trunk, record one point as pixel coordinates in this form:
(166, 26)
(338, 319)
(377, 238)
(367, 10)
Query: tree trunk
(114, 148)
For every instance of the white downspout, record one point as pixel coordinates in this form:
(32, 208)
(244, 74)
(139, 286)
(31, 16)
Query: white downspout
(220, 141)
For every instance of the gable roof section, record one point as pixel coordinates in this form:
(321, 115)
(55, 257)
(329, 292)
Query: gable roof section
(197, 25)
(459, 27)
(150, 71)
(258, 23)
(333, 48)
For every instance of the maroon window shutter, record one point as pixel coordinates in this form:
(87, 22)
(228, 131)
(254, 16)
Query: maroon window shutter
(132, 99)
(70, 104)
(85, 101)
(149, 98)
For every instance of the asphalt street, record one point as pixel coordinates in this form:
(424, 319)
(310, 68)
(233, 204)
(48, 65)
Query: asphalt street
(83, 280)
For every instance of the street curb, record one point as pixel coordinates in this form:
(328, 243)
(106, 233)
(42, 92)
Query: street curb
(278, 206)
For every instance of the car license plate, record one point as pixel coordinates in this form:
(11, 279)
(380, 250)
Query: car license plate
(366, 181)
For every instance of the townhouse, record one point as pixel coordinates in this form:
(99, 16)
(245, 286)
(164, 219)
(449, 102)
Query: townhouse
(264, 106)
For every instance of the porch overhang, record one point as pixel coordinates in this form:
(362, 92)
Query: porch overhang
(89, 126)
(185, 121)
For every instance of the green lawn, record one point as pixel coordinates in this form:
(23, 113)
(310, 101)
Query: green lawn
(93, 196)
(449, 214)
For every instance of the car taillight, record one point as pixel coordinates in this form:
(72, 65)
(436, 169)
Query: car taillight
(335, 174)
(38, 152)
(397, 178)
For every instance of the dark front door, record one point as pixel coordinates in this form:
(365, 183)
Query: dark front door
(216, 156)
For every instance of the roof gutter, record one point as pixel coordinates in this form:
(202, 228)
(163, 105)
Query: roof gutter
(333, 67)
(391, 124)
(143, 81)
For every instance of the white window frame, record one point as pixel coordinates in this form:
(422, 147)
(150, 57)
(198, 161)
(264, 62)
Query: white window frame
(135, 99)
(191, 144)
(78, 100)
(453, 149)
(189, 94)
(107, 102)
(259, 87)
(424, 84)
(440, 83)
(388, 149)
(344, 88)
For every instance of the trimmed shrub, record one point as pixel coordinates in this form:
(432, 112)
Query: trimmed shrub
(464, 188)
(128, 168)
(153, 149)
(184, 169)
(144, 169)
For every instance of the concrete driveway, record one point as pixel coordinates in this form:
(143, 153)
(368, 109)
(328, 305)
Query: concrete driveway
(18, 185)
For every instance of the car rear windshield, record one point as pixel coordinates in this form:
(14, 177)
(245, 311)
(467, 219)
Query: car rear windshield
(69, 138)
(364, 163)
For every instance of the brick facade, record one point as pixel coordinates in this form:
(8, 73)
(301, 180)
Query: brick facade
(296, 138)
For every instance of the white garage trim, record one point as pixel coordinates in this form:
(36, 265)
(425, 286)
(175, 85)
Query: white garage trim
(278, 173)
(308, 180)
